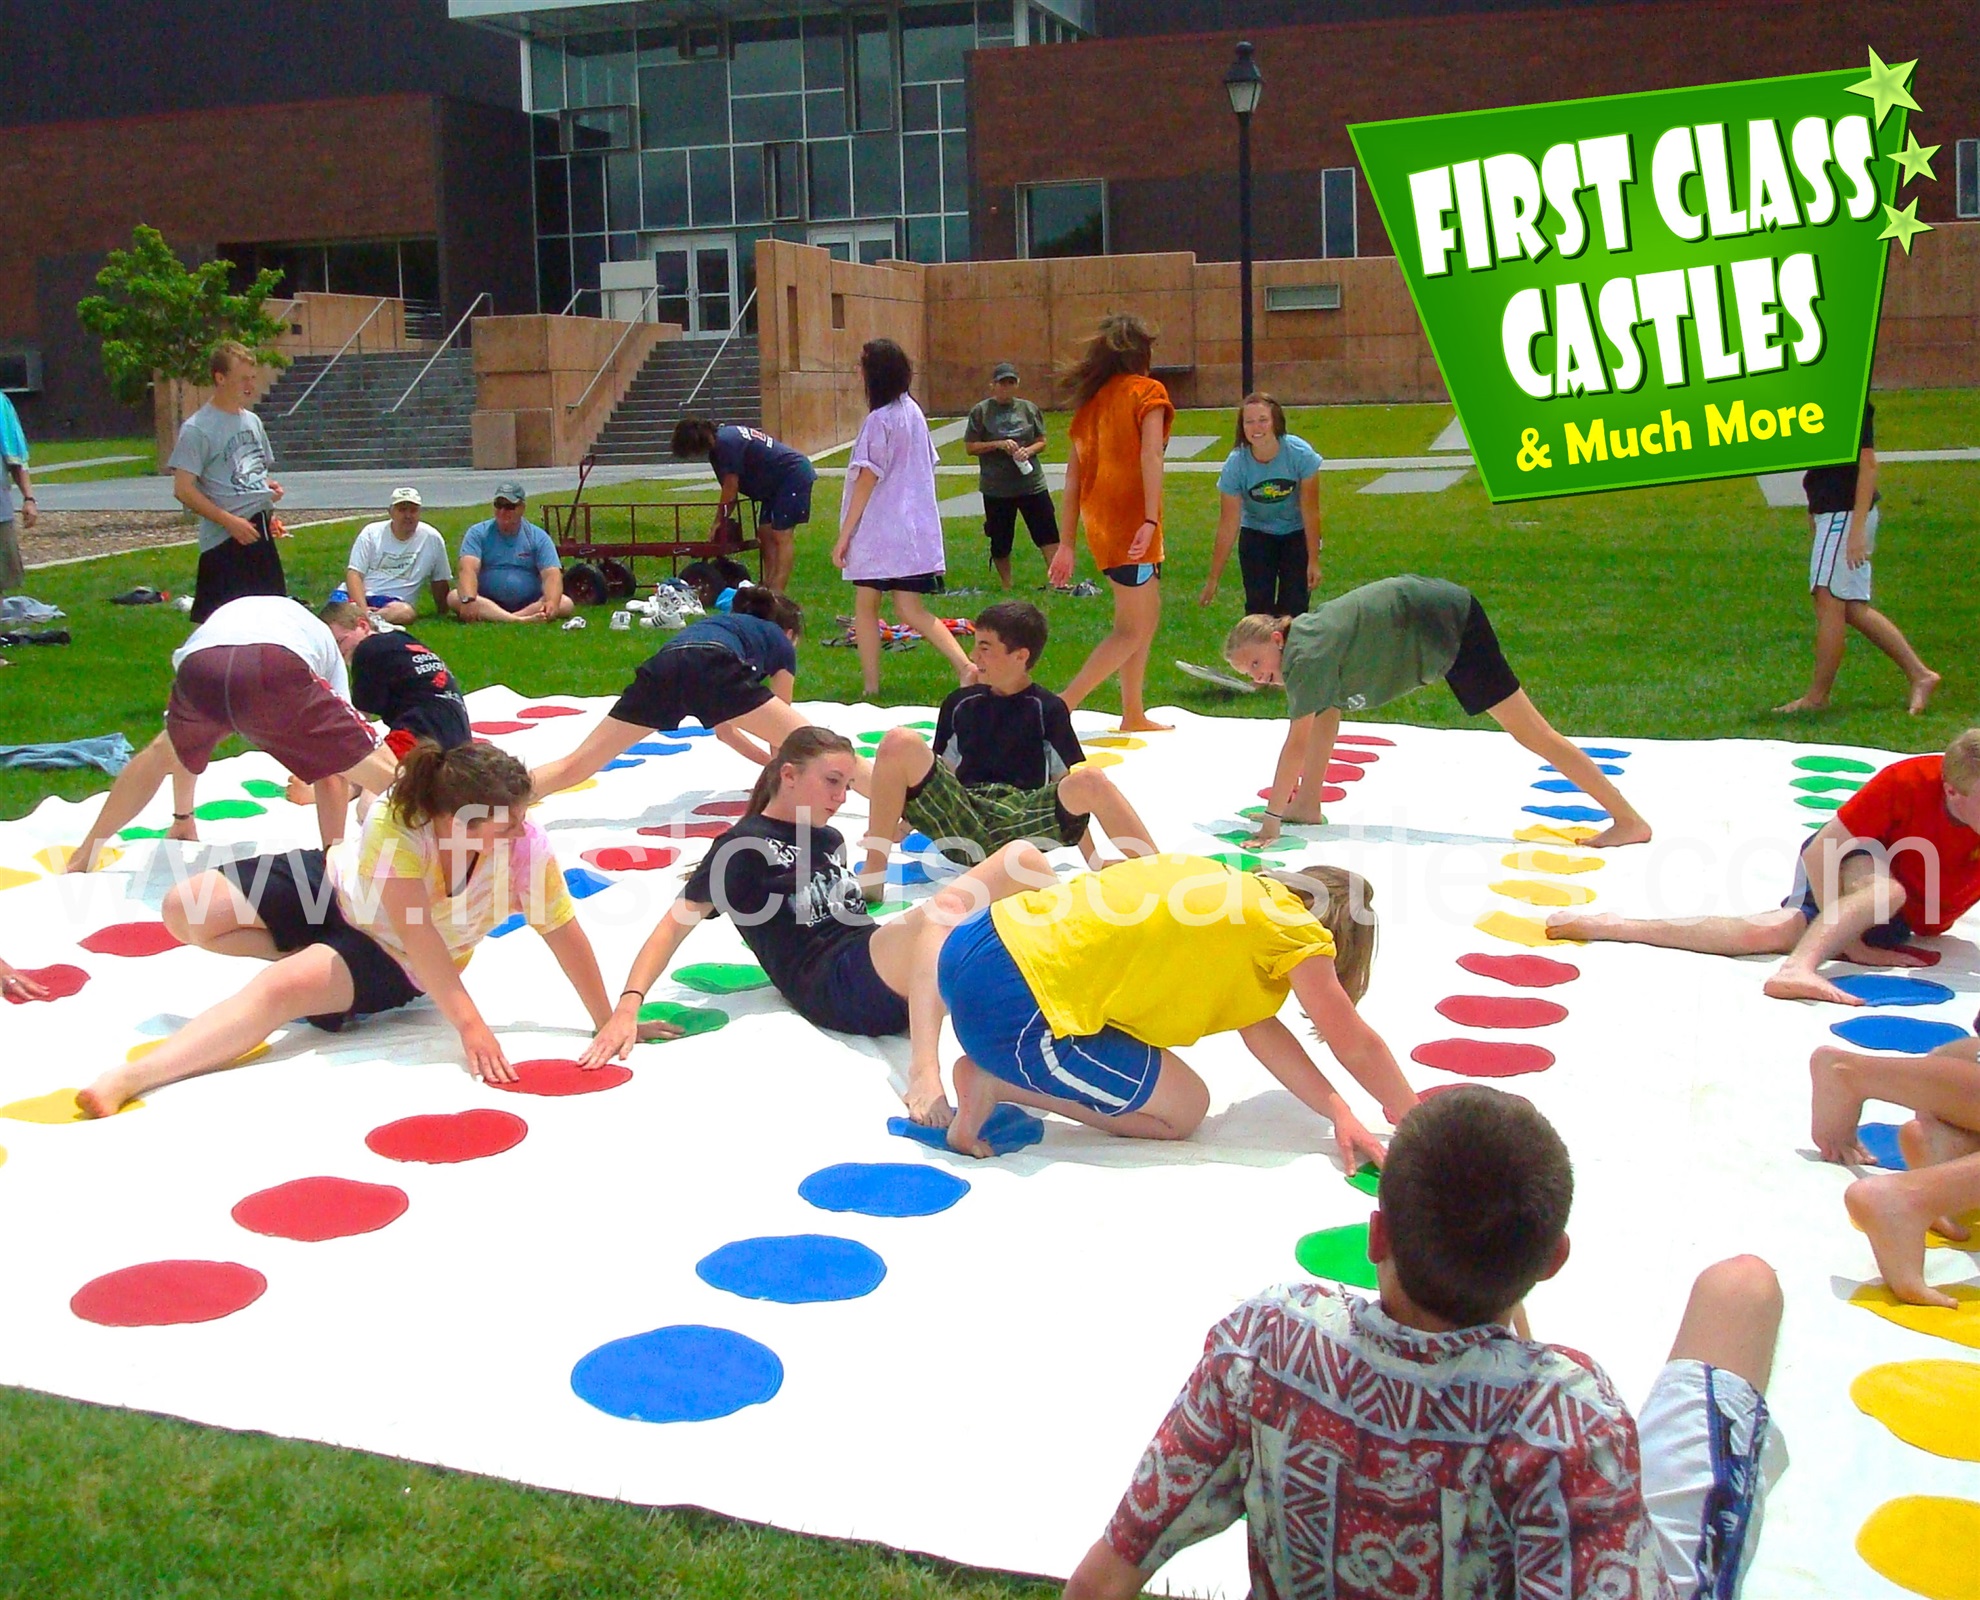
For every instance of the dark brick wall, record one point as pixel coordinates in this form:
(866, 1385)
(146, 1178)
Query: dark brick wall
(487, 221)
(1150, 114)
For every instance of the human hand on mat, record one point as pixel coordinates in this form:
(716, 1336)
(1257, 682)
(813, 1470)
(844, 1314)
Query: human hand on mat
(485, 1060)
(1356, 1144)
(615, 1040)
(18, 986)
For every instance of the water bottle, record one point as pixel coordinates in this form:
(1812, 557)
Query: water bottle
(339, 594)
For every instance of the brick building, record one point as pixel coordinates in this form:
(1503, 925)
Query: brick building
(368, 147)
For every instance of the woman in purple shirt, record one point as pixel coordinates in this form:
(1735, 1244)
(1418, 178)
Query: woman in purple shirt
(890, 530)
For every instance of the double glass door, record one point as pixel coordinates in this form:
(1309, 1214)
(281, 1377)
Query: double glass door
(697, 282)
(865, 243)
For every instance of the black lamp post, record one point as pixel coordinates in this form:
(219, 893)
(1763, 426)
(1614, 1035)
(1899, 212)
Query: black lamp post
(1245, 85)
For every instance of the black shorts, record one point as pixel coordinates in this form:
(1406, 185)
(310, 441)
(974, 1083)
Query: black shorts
(1479, 677)
(1000, 516)
(847, 996)
(791, 504)
(1134, 574)
(920, 583)
(1890, 935)
(229, 571)
(703, 681)
(283, 889)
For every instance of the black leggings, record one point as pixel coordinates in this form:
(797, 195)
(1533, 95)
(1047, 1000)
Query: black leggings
(1274, 568)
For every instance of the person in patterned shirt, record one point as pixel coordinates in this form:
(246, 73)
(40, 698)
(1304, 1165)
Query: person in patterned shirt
(1416, 1446)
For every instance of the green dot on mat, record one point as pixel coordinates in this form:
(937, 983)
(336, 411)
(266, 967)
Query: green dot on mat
(886, 908)
(1338, 1253)
(265, 788)
(226, 810)
(722, 977)
(927, 726)
(1832, 764)
(1827, 785)
(1242, 860)
(142, 833)
(1818, 802)
(689, 1019)
(1368, 1179)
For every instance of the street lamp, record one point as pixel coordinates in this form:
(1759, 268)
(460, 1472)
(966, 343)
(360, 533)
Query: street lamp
(1246, 86)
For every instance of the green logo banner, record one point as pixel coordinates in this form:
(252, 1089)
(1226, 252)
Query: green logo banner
(1654, 288)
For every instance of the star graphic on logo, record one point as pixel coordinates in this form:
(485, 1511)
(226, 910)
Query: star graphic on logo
(1902, 225)
(1913, 159)
(1885, 87)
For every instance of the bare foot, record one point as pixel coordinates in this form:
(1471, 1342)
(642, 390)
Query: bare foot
(1928, 1142)
(1788, 984)
(1628, 830)
(1921, 691)
(1895, 1224)
(103, 1098)
(1795, 707)
(299, 793)
(1866, 955)
(976, 1098)
(1143, 725)
(186, 831)
(1837, 1108)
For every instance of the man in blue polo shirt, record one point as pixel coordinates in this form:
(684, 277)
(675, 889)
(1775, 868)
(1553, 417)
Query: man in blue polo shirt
(508, 568)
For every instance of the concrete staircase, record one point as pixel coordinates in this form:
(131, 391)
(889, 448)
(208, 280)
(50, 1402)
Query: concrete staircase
(641, 427)
(344, 426)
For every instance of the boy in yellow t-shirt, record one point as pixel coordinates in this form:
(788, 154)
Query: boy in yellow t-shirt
(1073, 998)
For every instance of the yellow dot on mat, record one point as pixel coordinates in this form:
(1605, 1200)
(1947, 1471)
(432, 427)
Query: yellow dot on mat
(1550, 861)
(56, 1106)
(3, 1155)
(13, 877)
(1960, 1325)
(138, 1052)
(1101, 758)
(1115, 741)
(1536, 893)
(1929, 1544)
(1934, 1405)
(55, 857)
(1935, 1240)
(1544, 833)
(1518, 930)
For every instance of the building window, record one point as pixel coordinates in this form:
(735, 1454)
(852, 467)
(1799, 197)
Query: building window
(873, 73)
(766, 57)
(1064, 219)
(1337, 212)
(783, 181)
(934, 40)
(598, 69)
(597, 128)
(1966, 165)
(831, 179)
(546, 79)
(684, 105)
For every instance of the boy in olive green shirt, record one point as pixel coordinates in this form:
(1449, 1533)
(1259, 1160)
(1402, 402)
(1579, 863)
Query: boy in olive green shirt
(1376, 644)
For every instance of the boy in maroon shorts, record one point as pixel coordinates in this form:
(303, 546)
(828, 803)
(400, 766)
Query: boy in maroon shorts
(264, 668)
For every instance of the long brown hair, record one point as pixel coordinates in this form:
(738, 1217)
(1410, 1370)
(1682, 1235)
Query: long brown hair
(799, 750)
(767, 605)
(435, 782)
(1258, 397)
(1122, 343)
(1344, 902)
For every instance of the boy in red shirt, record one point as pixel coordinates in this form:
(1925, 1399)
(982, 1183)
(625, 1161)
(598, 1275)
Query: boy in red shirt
(1417, 1444)
(1900, 860)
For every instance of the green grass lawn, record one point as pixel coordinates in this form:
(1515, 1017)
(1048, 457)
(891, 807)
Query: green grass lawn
(1676, 613)
(45, 454)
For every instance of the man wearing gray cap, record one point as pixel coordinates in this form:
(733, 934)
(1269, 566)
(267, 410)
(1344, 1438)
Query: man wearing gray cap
(1007, 435)
(509, 567)
(392, 561)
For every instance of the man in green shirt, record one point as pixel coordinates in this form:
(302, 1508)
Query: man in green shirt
(1376, 644)
(1006, 434)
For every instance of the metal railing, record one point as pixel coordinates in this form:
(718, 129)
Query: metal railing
(618, 344)
(576, 295)
(474, 305)
(705, 371)
(339, 356)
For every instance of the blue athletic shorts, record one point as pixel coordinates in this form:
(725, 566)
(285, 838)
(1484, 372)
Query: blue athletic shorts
(1001, 1029)
(791, 504)
(1891, 935)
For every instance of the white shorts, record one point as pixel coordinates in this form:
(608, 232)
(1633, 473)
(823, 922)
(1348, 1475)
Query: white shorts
(1827, 568)
(1709, 1452)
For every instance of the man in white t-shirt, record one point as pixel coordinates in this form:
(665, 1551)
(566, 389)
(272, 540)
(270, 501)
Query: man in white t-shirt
(392, 560)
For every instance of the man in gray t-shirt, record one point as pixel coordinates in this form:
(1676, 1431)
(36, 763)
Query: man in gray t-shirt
(1006, 434)
(220, 474)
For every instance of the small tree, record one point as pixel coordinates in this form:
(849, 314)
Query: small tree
(158, 319)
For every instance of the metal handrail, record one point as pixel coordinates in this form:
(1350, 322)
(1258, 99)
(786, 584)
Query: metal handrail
(339, 356)
(619, 344)
(572, 301)
(474, 305)
(705, 371)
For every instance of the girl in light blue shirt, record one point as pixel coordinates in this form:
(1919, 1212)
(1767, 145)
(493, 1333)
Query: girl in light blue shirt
(1270, 487)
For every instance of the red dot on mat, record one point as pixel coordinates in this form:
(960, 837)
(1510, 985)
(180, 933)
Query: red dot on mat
(538, 713)
(1343, 772)
(1522, 972)
(1499, 1011)
(563, 1077)
(315, 1209)
(485, 729)
(630, 857)
(721, 808)
(161, 1292)
(1329, 793)
(462, 1136)
(1482, 1058)
(1436, 1089)
(130, 939)
(1364, 738)
(686, 830)
(59, 981)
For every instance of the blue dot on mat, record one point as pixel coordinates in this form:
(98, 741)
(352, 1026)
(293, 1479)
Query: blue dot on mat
(794, 1270)
(907, 872)
(1881, 1140)
(684, 1373)
(1610, 768)
(1557, 785)
(656, 747)
(1568, 813)
(1603, 752)
(915, 843)
(1913, 1035)
(1882, 989)
(584, 883)
(696, 732)
(620, 763)
(508, 925)
(883, 1189)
